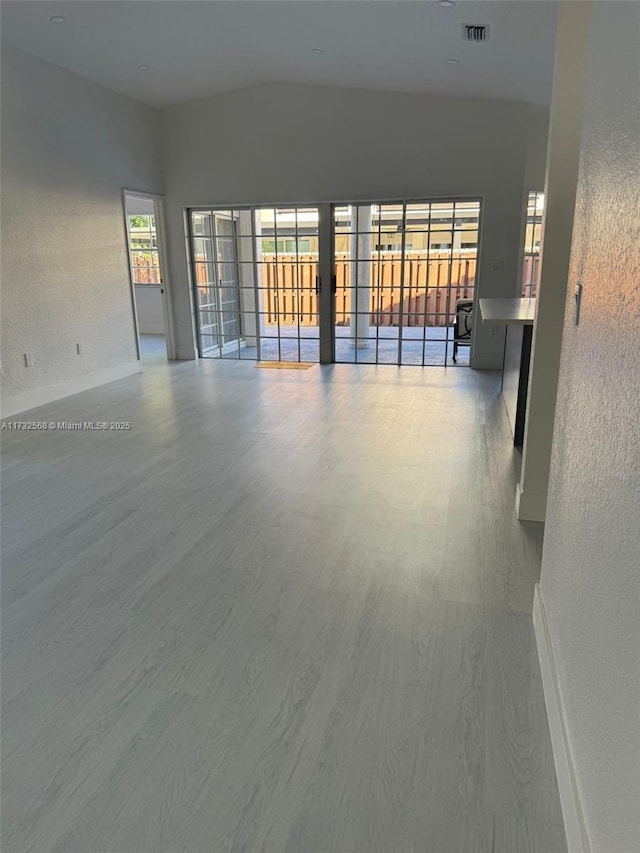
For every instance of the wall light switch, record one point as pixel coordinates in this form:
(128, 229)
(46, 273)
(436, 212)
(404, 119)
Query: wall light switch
(577, 299)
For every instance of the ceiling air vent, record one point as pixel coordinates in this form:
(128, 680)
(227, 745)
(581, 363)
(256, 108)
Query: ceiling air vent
(473, 32)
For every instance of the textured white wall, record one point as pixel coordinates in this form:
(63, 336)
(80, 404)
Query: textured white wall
(296, 144)
(68, 149)
(591, 559)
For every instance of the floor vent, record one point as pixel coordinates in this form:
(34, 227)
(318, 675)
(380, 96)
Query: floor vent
(474, 32)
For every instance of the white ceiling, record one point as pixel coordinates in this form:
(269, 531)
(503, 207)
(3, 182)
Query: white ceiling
(197, 49)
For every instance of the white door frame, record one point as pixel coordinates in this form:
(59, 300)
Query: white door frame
(158, 209)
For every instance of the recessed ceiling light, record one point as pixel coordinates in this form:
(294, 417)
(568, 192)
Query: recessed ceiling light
(57, 19)
(143, 67)
(446, 3)
(317, 51)
(453, 61)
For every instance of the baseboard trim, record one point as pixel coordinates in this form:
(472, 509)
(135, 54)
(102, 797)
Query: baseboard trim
(51, 393)
(574, 825)
(185, 354)
(524, 510)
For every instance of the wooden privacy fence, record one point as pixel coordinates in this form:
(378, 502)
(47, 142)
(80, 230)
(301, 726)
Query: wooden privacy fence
(530, 275)
(431, 287)
(146, 269)
(428, 296)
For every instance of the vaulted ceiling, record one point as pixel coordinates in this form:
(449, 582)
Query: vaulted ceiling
(196, 49)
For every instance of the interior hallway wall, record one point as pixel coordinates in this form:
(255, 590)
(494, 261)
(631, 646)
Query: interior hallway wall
(591, 559)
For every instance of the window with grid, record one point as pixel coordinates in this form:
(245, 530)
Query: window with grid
(143, 238)
(532, 241)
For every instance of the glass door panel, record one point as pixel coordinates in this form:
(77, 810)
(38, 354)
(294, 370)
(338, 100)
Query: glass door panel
(228, 285)
(204, 282)
(400, 270)
(287, 252)
(265, 268)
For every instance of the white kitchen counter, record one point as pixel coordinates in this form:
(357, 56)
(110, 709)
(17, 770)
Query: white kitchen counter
(517, 315)
(508, 312)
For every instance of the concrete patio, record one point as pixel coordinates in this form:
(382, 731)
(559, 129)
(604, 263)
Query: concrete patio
(383, 346)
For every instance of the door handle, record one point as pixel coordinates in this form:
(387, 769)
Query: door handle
(334, 284)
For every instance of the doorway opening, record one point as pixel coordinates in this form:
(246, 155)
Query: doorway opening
(144, 225)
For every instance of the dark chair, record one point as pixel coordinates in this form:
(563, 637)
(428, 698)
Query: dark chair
(462, 325)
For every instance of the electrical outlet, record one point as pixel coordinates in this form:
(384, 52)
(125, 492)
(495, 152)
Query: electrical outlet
(498, 266)
(28, 359)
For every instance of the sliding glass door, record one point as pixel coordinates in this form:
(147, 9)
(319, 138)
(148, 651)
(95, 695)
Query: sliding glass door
(376, 283)
(255, 273)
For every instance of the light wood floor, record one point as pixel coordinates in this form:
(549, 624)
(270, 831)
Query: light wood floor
(287, 612)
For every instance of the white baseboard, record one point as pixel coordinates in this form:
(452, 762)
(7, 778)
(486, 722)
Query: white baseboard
(50, 393)
(185, 354)
(574, 825)
(526, 509)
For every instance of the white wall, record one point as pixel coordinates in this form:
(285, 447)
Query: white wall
(591, 559)
(295, 144)
(68, 149)
(563, 154)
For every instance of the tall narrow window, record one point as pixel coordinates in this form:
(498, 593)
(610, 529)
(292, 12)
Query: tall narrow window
(532, 240)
